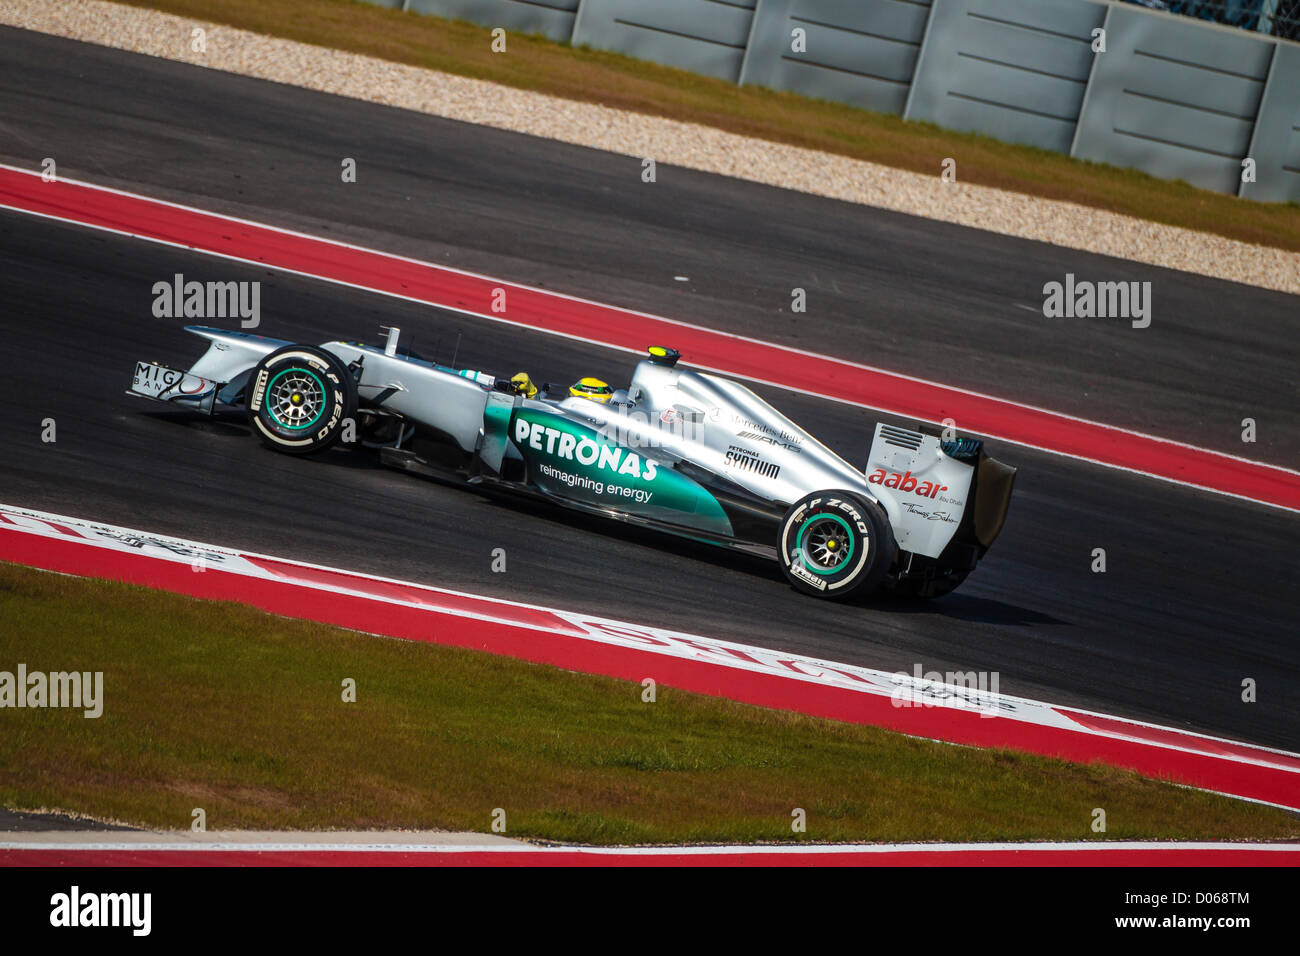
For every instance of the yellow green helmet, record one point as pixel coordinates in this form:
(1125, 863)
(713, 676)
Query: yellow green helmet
(592, 388)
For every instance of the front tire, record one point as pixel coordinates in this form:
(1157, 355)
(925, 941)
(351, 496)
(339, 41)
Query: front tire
(299, 399)
(834, 544)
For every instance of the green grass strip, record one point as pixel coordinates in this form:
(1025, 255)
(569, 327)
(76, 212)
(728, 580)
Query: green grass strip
(227, 708)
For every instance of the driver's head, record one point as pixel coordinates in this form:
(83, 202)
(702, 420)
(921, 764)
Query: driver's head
(591, 388)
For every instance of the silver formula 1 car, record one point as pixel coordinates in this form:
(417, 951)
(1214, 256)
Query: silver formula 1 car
(681, 451)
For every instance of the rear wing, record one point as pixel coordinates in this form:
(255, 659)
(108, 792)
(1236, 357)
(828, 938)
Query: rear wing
(937, 492)
(993, 484)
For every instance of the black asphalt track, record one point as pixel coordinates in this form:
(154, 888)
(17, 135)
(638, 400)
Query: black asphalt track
(1199, 591)
(957, 305)
(1197, 594)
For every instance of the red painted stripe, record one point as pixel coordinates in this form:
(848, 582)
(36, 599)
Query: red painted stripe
(393, 591)
(547, 311)
(957, 856)
(526, 641)
(60, 528)
(1174, 738)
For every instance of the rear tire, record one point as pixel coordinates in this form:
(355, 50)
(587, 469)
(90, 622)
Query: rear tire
(833, 544)
(299, 399)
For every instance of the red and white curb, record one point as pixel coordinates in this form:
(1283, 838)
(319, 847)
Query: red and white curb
(141, 217)
(274, 852)
(598, 645)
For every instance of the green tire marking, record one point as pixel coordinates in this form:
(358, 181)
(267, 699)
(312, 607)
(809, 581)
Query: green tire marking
(270, 408)
(848, 536)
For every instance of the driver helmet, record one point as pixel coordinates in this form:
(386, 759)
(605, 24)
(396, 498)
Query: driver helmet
(591, 388)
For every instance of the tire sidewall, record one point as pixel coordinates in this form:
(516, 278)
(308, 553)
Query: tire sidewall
(339, 399)
(871, 540)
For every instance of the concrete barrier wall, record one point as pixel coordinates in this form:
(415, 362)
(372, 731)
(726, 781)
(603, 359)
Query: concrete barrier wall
(1275, 145)
(704, 36)
(1175, 98)
(1013, 69)
(551, 18)
(861, 52)
(1172, 96)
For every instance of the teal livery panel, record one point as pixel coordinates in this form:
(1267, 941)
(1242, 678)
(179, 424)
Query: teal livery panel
(577, 463)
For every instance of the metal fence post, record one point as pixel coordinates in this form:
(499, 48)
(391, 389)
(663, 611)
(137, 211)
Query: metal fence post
(1266, 11)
